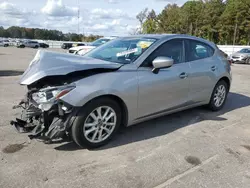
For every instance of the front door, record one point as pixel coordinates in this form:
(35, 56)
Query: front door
(169, 88)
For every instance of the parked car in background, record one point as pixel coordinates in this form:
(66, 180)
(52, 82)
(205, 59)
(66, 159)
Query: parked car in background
(120, 83)
(4, 43)
(43, 45)
(29, 43)
(66, 45)
(242, 56)
(81, 50)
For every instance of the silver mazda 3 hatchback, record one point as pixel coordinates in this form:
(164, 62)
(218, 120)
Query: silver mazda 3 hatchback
(121, 83)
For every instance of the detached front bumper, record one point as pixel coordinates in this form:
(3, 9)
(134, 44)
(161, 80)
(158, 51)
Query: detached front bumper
(47, 125)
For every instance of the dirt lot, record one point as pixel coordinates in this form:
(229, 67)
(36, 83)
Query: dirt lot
(195, 148)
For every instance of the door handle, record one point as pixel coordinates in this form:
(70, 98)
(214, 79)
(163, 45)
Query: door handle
(183, 75)
(213, 68)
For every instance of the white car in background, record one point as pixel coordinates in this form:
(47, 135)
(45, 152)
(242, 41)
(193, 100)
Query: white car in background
(4, 43)
(81, 50)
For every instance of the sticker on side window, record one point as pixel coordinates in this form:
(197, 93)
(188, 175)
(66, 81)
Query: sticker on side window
(127, 52)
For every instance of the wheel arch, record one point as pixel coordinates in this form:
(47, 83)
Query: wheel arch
(227, 80)
(119, 101)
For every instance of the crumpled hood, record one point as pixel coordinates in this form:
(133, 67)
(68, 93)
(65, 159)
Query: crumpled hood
(47, 63)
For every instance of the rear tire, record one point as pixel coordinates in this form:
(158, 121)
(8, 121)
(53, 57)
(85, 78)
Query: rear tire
(248, 61)
(92, 128)
(219, 96)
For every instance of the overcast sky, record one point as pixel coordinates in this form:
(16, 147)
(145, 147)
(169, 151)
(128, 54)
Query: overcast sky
(104, 17)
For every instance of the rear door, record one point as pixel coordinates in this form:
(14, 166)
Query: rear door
(203, 70)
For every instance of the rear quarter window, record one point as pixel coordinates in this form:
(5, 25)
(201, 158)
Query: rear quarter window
(198, 50)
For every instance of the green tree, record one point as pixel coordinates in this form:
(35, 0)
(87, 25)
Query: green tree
(169, 20)
(235, 22)
(150, 25)
(210, 25)
(142, 17)
(191, 17)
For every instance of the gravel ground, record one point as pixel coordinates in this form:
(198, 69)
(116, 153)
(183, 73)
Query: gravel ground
(194, 148)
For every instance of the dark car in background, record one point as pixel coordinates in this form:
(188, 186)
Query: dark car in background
(79, 44)
(43, 45)
(66, 45)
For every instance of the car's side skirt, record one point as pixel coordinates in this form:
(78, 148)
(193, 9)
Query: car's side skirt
(165, 112)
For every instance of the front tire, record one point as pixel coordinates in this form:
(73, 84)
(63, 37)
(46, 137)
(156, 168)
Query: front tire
(97, 123)
(219, 96)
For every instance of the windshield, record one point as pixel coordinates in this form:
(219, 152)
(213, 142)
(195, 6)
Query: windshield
(122, 51)
(244, 51)
(99, 42)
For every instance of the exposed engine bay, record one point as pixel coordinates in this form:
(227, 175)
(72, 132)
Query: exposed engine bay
(43, 114)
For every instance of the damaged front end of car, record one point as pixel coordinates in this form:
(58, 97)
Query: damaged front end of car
(49, 77)
(44, 115)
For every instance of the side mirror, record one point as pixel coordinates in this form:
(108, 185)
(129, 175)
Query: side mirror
(161, 62)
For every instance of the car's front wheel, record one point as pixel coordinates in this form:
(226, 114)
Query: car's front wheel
(97, 123)
(219, 96)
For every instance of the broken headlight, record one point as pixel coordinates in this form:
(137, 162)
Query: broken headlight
(51, 94)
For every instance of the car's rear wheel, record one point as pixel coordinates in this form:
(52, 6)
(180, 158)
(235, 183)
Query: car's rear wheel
(248, 60)
(219, 96)
(97, 123)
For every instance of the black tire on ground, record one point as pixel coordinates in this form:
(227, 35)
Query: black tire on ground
(6, 45)
(248, 61)
(22, 46)
(212, 106)
(36, 46)
(77, 127)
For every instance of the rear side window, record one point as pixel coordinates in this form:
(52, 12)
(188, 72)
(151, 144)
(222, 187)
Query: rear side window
(196, 50)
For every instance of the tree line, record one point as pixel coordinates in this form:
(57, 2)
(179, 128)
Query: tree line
(220, 21)
(44, 34)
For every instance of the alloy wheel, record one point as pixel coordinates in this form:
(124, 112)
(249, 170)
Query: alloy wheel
(99, 124)
(219, 95)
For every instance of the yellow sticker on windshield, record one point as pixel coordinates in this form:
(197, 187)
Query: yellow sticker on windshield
(144, 44)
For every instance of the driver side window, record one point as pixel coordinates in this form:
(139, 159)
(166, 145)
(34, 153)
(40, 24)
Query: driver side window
(173, 49)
